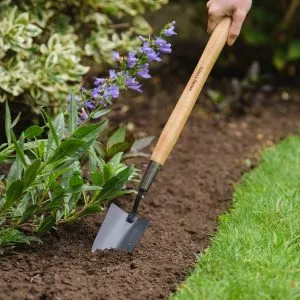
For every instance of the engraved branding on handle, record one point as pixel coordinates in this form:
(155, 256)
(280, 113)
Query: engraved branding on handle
(196, 78)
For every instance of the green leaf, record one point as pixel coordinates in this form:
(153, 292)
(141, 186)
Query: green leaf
(56, 132)
(279, 59)
(99, 113)
(97, 178)
(293, 52)
(7, 123)
(134, 155)
(254, 36)
(33, 30)
(142, 143)
(73, 114)
(16, 120)
(141, 26)
(117, 138)
(18, 147)
(22, 205)
(11, 236)
(68, 147)
(14, 172)
(41, 147)
(14, 192)
(119, 147)
(75, 180)
(115, 184)
(33, 131)
(115, 160)
(91, 209)
(46, 224)
(3, 158)
(90, 131)
(31, 172)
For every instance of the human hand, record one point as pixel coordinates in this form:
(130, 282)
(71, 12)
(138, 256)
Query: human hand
(236, 9)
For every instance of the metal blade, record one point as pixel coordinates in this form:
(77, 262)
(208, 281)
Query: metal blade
(117, 233)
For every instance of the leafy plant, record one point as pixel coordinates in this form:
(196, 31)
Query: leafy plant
(61, 172)
(42, 44)
(67, 168)
(274, 27)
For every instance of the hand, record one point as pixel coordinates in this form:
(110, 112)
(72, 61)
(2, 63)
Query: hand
(236, 9)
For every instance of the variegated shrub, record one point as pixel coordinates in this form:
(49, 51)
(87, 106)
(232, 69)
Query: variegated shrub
(42, 44)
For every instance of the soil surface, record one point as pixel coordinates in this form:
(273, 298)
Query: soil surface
(193, 189)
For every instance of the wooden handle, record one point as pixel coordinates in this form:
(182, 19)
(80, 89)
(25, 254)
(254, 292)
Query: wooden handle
(186, 102)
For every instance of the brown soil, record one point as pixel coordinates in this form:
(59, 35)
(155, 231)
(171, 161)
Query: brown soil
(193, 189)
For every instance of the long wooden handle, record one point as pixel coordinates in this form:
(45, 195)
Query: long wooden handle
(185, 104)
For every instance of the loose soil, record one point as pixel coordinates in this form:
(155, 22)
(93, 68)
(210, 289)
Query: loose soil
(193, 189)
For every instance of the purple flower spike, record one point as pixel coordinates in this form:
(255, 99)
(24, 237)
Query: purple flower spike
(95, 92)
(151, 54)
(131, 60)
(144, 71)
(166, 48)
(163, 46)
(170, 31)
(133, 84)
(130, 69)
(112, 74)
(99, 81)
(160, 41)
(111, 91)
(89, 104)
(83, 114)
(116, 56)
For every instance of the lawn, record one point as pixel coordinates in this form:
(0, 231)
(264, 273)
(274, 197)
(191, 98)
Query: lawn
(255, 252)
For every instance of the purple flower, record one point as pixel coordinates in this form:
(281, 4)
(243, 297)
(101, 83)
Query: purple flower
(163, 46)
(83, 114)
(144, 71)
(111, 91)
(89, 104)
(95, 92)
(112, 74)
(133, 84)
(99, 81)
(170, 31)
(160, 41)
(116, 56)
(151, 54)
(166, 48)
(131, 60)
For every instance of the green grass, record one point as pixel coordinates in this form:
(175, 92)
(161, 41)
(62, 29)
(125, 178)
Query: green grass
(256, 252)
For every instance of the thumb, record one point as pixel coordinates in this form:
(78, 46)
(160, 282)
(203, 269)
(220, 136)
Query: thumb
(235, 28)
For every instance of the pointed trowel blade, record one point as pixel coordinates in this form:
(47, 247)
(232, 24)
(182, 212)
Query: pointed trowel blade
(117, 233)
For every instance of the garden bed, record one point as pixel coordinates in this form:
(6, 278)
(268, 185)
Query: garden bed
(194, 188)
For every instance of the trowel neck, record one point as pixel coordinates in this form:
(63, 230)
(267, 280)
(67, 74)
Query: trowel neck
(145, 184)
(149, 176)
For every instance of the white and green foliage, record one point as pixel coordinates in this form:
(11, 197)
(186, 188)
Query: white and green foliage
(42, 43)
(61, 172)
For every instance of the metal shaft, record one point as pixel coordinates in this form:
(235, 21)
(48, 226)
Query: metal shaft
(148, 178)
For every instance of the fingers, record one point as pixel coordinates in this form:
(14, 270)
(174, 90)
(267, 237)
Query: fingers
(238, 18)
(213, 21)
(214, 17)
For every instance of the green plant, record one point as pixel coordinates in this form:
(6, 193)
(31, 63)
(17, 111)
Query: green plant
(61, 172)
(274, 27)
(42, 44)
